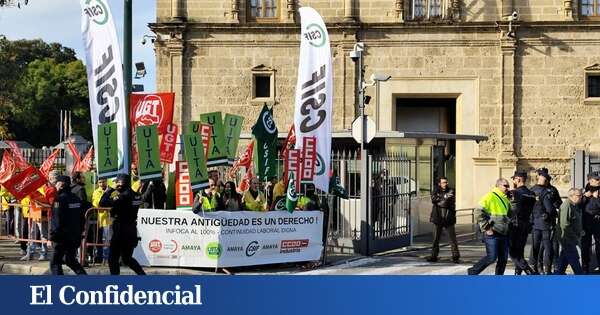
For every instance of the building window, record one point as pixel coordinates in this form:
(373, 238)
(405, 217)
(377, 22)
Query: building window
(590, 7)
(263, 9)
(593, 85)
(263, 85)
(427, 9)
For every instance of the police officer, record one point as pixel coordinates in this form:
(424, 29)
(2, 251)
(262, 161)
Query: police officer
(544, 222)
(556, 203)
(522, 202)
(66, 227)
(124, 203)
(591, 222)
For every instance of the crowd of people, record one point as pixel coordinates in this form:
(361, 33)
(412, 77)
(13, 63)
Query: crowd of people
(507, 215)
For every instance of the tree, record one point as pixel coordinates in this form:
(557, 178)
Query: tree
(37, 81)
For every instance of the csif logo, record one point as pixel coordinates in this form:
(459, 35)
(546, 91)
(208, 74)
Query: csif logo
(315, 35)
(97, 11)
(268, 122)
(252, 248)
(214, 250)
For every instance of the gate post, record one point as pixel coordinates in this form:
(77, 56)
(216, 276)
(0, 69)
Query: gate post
(365, 203)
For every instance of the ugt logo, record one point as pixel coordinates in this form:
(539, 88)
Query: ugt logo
(97, 11)
(315, 35)
(149, 111)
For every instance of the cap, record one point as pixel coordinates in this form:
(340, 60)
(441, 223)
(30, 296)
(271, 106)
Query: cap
(542, 170)
(64, 179)
(595, 175)
(546, 175)
(521, 174)
(123, 177)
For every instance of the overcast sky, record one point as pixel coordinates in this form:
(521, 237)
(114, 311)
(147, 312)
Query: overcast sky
(60, 21)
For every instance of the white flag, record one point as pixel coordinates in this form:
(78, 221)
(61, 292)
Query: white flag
(105, 75)
(314, 92)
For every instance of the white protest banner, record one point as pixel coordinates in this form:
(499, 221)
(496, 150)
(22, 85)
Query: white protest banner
(105, 76)
(228, 239)
(314, 92)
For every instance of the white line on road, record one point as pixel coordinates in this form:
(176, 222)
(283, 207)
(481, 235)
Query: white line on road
(335, 269)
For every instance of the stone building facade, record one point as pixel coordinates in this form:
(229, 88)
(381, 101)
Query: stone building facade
(531, 84)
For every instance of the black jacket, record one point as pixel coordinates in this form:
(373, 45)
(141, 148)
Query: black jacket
(443, 211)
(124, 209)
(544, 212)
(79, 191)
(154, 194)
(68, 219)
(522, 203)
(591, 210)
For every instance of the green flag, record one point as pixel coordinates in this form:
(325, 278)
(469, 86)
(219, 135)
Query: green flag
(108, 151)
(291, 196)
(194, 155)
(217, 153)
(233, 129)
(265, 133)
(193, 127)
(149, 166)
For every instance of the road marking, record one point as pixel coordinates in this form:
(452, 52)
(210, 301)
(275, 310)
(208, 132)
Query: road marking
(451, 270)
(337, 268)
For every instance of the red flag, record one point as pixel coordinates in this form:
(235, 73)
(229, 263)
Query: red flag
(25, 183)
(244, 160)
(19, 160)
(86, 164)
(245, 183)
(168, 143)
(290, 141)
(76, 156)
(8, 167)
(48, 164)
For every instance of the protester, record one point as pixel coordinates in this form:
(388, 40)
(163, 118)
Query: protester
(66, 228)
(40, 208)
(544, 223)
(136, 184)
(78, 186)
(310, 200)
(569, 233)
(103, 221)
(443, 216)
(269, 189)
(279, 192)
(154, 194)
(493, 217)
(591, 223)
(23, 226)
(232, 201)
(253, 199)
(522, 202)
(214, 175)
(209, 199)
(124, 203)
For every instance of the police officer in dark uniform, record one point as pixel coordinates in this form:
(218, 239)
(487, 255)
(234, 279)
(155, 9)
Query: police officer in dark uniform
(591, 222)
(522, 203)
(124, 203)
(66, 227)
(556, 202)
(544, 223)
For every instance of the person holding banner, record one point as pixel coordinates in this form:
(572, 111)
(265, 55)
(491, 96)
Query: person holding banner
(232, 201)
(124, 203)
(103, 220)
(209, 200)
(253, 199)
(310, 200)
(66, 228)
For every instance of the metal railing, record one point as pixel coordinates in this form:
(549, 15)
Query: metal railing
(14, 225)
(466, 226)
(96, 236)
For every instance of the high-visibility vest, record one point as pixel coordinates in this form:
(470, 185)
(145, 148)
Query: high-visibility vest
(209, 204)
(252, 204)
(495, 203)
(103, 215)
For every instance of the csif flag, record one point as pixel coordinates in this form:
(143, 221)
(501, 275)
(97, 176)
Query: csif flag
(265, 133)
(291, 196)
(105, 80)
(314, 92)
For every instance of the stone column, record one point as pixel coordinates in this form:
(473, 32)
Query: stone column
(235, 11)
(399, 10)
(175, 49)
(507, 160)
(290, 11)
(349, 11)
(569, 10)
(177, 10)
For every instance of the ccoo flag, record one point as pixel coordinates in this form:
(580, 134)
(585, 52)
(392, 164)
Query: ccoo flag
(314, 92)
(105, 77)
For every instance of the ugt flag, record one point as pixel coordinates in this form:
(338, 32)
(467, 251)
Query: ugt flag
(105, 76)
(314, 92)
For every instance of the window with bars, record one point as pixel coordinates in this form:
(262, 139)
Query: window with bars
(427, 9)
(263, 9)
(589, 8)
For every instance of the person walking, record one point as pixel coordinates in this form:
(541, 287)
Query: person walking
(569, 233)
(522, 202)
(66, 228)
(493, 218)
(591, 227)
(124, 204)
(544, 223)
(443, 216)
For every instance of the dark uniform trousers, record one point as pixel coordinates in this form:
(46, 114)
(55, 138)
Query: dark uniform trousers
(541, 238)
(586, 247)
(517, 240)
(437, 235)
(122, 245)
(68, 253)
